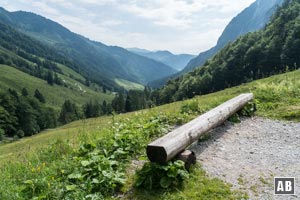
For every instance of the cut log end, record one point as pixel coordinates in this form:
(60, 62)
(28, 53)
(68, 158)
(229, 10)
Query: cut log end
(157, 154)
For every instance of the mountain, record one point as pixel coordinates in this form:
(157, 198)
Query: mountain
(28, 63)
(253, 18)
(177, 62)
(101, 63)
(255, 55)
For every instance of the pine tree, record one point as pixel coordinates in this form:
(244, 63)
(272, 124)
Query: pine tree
(1, 134)
(57, 80)
(39, 96)
(104, 107)
(118, 104)
(69, 112)
(27, 118)
(128, 104)
(24, 92)
(49, 78)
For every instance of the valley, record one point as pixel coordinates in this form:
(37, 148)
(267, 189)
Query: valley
(77, 114)
(65, 140)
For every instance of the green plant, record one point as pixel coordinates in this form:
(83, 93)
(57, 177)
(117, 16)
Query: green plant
(158, 176)
(1, 134)
(20, 133)
(248, 110)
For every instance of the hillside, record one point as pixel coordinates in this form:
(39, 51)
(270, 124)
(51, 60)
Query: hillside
(253, 18)
(177, 62)
(276, 97)
(101, 63)
(29, 63)
(55, 95)
(255, 55)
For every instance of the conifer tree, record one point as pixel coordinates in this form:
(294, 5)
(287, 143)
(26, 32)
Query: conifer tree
(39, 96)
(24, 92)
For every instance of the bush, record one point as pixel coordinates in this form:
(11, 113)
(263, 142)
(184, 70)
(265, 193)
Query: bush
(20, 133)
(156, 176)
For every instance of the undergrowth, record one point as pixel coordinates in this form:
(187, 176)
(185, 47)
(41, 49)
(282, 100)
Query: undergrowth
(79, 167)
(98, 169)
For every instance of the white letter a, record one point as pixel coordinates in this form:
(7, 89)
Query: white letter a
(280, 186)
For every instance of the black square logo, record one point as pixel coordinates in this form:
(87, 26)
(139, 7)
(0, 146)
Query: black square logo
(284, 186)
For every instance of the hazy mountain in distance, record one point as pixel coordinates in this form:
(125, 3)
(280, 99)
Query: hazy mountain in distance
(253, 18)
(97, 60)
(178, 62)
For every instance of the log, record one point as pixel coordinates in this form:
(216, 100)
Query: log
(168, 146)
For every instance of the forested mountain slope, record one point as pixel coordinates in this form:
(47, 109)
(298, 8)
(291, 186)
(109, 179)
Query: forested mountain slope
(260, 54)
(253, 18)
(100, 62)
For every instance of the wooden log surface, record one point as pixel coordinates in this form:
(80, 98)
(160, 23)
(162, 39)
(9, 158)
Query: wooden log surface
(168, 146)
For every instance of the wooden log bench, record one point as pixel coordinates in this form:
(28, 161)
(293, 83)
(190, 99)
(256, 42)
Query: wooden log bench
(174, 143)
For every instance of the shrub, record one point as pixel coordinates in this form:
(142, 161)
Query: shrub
(20, 133)
(157, 176)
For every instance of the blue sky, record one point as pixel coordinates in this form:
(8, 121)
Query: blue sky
(181, 26)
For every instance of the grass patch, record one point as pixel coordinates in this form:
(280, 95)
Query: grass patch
(54, 95)
(128, 85)
(197, 186)
(42, 164)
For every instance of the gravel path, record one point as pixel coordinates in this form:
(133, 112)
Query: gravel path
(251, 153)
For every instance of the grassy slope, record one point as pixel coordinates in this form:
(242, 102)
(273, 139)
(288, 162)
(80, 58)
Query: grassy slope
(277, 97)
(129, 85)
(55, 95)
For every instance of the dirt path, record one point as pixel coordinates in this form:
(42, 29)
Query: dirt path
(250, 154)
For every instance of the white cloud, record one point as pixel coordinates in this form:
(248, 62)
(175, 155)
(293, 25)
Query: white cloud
(182, 26)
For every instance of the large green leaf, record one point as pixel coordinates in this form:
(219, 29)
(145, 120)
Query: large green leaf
(165, 182)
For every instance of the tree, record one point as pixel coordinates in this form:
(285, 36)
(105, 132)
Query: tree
(118, 104)
(39, 96)
(104, 107)
(49, 78)
(27, 118)
(8, 117)
(24, 92)
(128, 104)
(1, 134)
(20, 133)
(57, 80)
(69, 112)
(92, 109)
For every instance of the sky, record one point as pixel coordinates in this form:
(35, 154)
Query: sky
(180, 26)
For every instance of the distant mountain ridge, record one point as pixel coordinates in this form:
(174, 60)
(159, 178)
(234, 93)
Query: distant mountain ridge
(99, 62)
(177, 62)
(253, 18)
